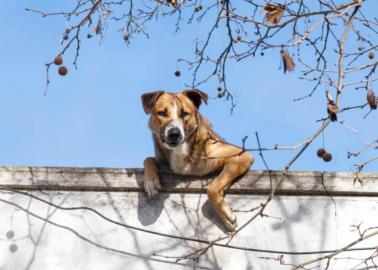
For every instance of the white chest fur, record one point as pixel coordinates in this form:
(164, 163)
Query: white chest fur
(178, 160)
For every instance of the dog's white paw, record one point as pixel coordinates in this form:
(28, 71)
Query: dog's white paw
(152, 187)
(231, 222)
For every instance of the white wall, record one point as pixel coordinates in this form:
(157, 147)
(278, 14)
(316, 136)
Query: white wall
(46, 237)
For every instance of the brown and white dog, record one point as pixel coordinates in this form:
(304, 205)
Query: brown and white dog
(186, 144)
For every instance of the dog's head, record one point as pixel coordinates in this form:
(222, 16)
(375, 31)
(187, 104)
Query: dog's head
(174, 116)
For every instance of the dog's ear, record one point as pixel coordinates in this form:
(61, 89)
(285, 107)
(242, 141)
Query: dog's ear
(149, 99)
(196, 96)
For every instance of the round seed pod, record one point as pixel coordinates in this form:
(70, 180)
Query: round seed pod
(198, 8)
(58, 60)
(371, 55)
(327, 157)
(320, 153)
(63, 71)
(177, 73)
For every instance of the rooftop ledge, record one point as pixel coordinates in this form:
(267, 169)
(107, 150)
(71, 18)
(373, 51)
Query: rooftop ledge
(131, 180)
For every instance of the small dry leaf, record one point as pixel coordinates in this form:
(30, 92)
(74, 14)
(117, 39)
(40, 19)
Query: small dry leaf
(358, 2)
(372, 100)
(329, 96)
(98, 28)
(288, 63)
(172, 2)
(273, 13)
(332, 108)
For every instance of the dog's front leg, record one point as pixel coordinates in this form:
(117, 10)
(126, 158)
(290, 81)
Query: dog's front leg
(151, 177)
(233, 167)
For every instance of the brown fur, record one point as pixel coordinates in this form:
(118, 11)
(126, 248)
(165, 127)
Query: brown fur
(203, 151)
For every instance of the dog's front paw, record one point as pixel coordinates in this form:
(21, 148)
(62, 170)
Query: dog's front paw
(230, 221)
(152, 187)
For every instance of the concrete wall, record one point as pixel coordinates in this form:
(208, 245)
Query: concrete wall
(70, 218)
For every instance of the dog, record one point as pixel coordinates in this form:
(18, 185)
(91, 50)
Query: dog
(186, 144)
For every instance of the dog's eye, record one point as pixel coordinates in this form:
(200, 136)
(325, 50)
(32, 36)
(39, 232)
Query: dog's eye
(184, 114)
(162, 113)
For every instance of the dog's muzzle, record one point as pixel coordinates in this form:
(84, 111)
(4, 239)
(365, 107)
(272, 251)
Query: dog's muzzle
(173, 137)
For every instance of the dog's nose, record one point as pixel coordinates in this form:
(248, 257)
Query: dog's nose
(174, 135)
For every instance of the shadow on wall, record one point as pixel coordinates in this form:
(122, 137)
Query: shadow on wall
(150, 209)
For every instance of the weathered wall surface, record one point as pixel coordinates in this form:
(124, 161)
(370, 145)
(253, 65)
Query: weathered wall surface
(66, 218)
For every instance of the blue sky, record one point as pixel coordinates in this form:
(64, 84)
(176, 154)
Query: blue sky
(93, 116)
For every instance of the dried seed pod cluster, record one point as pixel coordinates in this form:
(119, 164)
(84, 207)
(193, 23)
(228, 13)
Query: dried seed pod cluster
(322, 153)
(62, 69)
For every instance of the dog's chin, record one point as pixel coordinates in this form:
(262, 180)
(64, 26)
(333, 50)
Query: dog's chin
(171, 145)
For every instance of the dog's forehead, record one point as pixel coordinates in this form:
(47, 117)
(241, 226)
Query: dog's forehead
(170, 99)
(185, 102)
(164, 100)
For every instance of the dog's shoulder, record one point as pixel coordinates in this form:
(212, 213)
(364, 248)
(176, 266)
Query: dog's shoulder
(206, 132)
